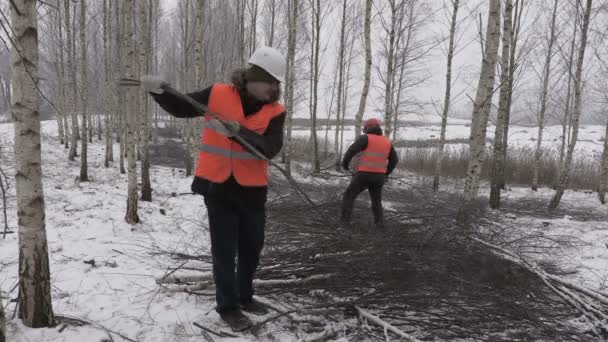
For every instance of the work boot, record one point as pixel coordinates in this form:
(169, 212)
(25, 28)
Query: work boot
(254, 307)
(236, 320)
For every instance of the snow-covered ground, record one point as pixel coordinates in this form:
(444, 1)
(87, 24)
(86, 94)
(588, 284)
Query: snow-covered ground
(85, 223)
(589, 144)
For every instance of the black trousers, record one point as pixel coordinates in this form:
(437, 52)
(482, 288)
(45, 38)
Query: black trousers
(237, 232)
(373, 182)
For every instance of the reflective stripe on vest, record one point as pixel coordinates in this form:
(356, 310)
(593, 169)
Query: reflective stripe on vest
(221, 157)
(374, 158)
(244, 155)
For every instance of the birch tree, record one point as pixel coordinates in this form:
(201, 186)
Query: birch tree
(447, 96)
(314, 69)
(271, 7)
(292, 14)
(340, 71)
(565, 167)
(543, 100)
(109, 147)
(515, 60)
(603, 184)
(71, 98)
(368, 67)
(35, 305)
(144, 51)
(131, 97)
(602, 89)
(83, 92)
(60, 72)
(392, 31)
(502, 105)
(252, 5)
(566, 120)
(120, 93)
(482, 105)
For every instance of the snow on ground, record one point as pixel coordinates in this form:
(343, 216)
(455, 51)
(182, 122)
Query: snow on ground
(589, 145)
(579, 243)
(85, 222)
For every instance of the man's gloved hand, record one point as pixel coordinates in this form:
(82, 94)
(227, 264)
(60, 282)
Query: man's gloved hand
(153, 84)
(226, 128)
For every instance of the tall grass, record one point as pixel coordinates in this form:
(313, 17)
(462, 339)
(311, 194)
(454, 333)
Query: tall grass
(584, 173)
(420, 156)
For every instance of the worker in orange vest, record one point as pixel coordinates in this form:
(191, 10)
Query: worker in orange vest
(377, 159)
(233, 180)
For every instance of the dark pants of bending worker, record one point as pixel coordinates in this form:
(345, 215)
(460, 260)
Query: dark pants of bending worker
(373, 182)
(236, 232)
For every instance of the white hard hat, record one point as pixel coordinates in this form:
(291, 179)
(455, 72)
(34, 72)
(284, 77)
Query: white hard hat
(271, 60)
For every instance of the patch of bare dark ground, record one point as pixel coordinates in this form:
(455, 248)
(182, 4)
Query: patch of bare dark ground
(421, 273)
(168, 152)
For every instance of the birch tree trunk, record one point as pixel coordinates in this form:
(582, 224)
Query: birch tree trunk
(130, 69)
(71, 98)
(316, 34)
(195, 125)
(109, 152)
(498, 164)
(340, 99)
(120, 94)
(35, 306)
(345, 90)
(390, 64)
(543, 101)
(144, 51)
(513, 66)
(84, 177)
(368, 67)
(401, 61)
(292, 13)
(253, 12)
(601, 193)
(566, 119)
(446, 98)
(240, 9)
(565, 168)
(59, 70)
(273, 14)
(482, 105)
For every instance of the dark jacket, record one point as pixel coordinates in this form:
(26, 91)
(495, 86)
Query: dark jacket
(361, 144)
(269, 144)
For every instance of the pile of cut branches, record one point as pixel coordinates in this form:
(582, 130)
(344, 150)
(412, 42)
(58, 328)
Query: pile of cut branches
(422, 277)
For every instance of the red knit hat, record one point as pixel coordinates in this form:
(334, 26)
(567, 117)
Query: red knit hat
(371, 123)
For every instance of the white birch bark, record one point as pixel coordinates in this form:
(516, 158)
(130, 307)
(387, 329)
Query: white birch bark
(498, 162)
(368, 68)
(565, 167)
(131, 97)
(35, 306)
(543, 103)
(482, 105)
(83, 93)
(446, 98)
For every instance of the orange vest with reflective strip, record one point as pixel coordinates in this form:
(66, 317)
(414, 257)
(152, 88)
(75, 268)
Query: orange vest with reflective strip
(375, 157)
(221, 157)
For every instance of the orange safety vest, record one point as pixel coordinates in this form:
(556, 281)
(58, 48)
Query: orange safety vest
(221, 157)
(375, 157)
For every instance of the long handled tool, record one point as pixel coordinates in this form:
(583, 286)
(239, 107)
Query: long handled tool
(201, 108)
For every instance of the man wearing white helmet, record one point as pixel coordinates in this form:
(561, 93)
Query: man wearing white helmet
(232, 180)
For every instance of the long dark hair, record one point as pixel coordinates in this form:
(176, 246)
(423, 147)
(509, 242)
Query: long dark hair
(238, 79)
